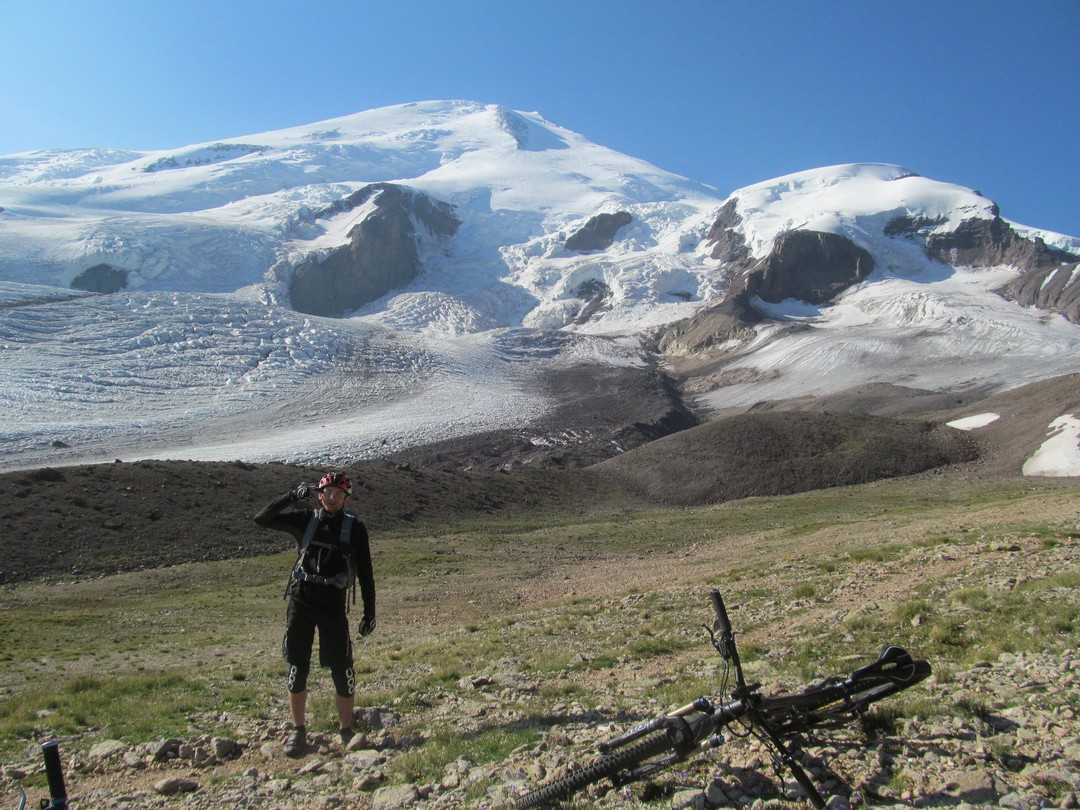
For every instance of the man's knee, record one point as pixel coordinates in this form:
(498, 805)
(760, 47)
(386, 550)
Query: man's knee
(297, 681)
(344, 681)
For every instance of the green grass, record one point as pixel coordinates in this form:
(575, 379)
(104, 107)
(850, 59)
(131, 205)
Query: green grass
(427, 763)
(185, 643)
(976, 623)
(132, 708)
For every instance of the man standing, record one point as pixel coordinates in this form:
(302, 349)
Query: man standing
(333, 556)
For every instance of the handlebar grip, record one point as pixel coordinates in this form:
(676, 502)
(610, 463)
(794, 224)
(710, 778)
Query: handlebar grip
(53, 771)
(723, 624)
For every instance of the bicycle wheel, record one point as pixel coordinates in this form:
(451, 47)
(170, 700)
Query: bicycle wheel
(606, 766)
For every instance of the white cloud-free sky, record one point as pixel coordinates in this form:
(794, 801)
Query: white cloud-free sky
(977, 92)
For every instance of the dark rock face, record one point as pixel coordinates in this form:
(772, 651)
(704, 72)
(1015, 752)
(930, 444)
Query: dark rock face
(991, 242)
(728, 244)
(382, 253)
(910, 226)
(1054, 288)
(596, 295)
(599, 232)
(101, 278)
(810, 266)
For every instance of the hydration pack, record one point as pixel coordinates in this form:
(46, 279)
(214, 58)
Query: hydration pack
(346, 580)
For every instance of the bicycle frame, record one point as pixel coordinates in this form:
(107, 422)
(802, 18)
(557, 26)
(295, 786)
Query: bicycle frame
(697, 726)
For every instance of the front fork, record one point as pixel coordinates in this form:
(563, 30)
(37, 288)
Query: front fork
(784, 756)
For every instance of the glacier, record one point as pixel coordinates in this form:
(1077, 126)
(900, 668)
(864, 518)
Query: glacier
(201, 356)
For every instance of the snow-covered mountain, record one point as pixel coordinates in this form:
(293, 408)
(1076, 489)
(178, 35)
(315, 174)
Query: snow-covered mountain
(346, 289)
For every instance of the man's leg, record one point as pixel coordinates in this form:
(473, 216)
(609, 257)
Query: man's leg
(345, 688)
(296, 646)
(345, 710)
(298, 707)
(336, 645)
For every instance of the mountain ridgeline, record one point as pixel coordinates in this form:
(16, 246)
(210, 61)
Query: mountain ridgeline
(470, 287)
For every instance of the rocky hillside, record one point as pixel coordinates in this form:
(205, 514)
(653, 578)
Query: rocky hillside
(74, 520)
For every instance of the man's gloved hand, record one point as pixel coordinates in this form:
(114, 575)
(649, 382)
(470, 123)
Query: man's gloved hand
(301, 492)
(367, 626)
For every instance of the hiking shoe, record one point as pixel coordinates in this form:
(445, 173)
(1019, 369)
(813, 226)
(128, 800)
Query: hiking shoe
(347, 735)
(294, 745)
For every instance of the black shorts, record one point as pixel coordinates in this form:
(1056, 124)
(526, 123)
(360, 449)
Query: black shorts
(322, 608)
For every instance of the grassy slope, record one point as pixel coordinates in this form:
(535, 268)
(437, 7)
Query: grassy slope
(573, 605)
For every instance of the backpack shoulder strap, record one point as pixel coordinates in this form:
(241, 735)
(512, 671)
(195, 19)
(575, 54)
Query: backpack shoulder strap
(305, 541)
(346, 528)
(309, 532)
(346, 548)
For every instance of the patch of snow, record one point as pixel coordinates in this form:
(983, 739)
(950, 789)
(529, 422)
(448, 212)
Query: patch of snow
(1059, 455)
(974, 422)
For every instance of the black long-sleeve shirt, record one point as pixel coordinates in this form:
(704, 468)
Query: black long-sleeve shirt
(328, 558)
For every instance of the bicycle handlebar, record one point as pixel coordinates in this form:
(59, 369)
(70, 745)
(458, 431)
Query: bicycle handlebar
(55, 774)
(723, 624)
(726, 643)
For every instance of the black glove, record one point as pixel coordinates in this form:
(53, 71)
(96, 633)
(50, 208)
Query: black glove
(367, 626)
(301, 492)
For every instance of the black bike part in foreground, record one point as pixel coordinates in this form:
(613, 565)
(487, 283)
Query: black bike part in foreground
(838, 701)
(668, 739)
(604, 767)
(55, 774)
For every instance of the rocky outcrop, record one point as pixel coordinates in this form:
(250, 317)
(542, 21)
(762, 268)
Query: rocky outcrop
(991, 243)
(730, 322)
(598, 233)
(596, 296)
(101, 278)
(382, 253)
(1054, 288)
(728, 244)
(809, 266)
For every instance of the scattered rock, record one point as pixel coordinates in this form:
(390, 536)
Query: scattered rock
(173, 785)
(394, 797)
(108, 749)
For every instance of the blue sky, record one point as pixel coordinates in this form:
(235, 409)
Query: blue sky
(984, 94)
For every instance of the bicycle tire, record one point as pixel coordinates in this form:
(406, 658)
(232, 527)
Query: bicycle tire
(606, 766)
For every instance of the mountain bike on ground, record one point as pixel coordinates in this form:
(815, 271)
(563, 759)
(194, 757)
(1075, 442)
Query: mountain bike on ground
(774, 720)
(54, 772)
